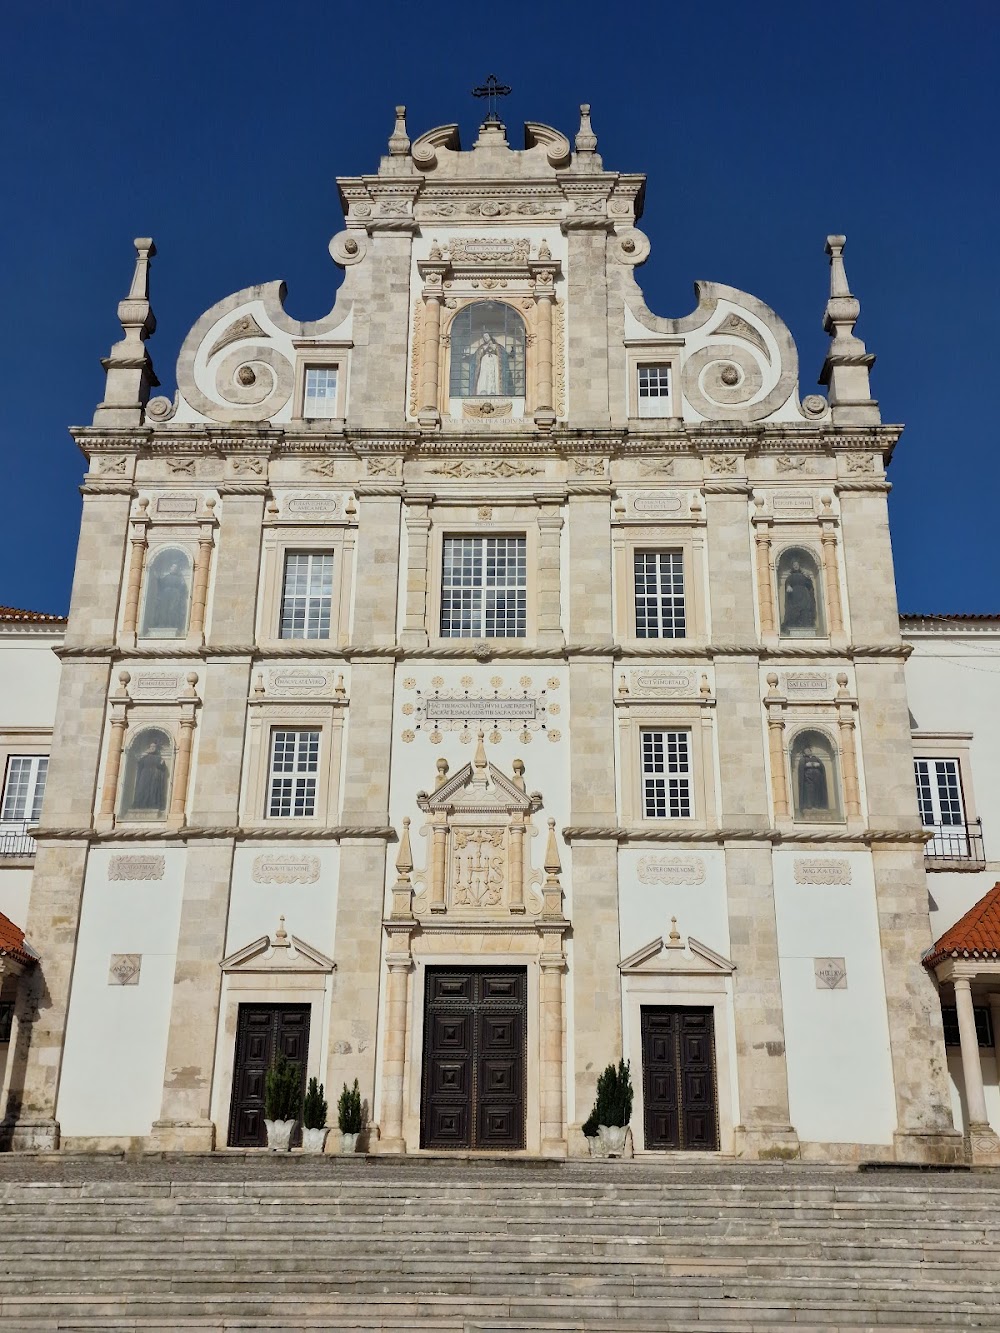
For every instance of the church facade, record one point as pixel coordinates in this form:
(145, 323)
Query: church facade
(482, 683)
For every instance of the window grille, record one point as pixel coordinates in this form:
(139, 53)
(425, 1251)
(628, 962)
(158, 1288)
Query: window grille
(307, 594)
(483, 588)
(984, 1025)
(659, 595)
(24, 788)
(654, 390)
(294, 774)
(320, 399)
(666, 774)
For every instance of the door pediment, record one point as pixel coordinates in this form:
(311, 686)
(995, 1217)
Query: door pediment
(279, 952)
(676, 957)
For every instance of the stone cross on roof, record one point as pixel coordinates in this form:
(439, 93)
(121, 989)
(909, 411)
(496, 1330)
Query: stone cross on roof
(492, 89)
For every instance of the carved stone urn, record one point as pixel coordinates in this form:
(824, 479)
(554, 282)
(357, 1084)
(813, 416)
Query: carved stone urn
(612, 1139)
(279, 1133)
(314, 1140)
(349, 1142)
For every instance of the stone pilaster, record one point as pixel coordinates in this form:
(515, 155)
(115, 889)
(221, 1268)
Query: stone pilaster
(418, 531)
(587, 300)
(548, 577)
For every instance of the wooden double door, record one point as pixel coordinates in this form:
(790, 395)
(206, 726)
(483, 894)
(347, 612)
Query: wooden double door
(473, 1093)
(262, 1032)
(679, 1093)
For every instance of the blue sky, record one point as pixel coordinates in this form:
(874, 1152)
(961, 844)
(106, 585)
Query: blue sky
(218, 129)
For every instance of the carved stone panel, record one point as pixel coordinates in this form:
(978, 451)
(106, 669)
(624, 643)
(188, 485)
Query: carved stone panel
(806, 683)
(478, 867)
(155, 684)
(831, 974)
(292, 682)
(671, 870)
(821, 870)
(136, 867)
(282, 869)
(124, 969)
(662, 683)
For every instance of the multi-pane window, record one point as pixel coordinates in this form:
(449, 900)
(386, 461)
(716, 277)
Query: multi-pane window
(483, 588)
(306, 595)
(939, 795)
(320, 399)
(984, 1025)
(654, 389)
(24, 788)
(666, 774)
(659, 595)
(294, 774)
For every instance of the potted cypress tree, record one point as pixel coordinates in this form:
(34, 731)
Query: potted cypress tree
(614, 1107)
(590, 1133)
(314, 1110)
(282, 1095)
(349, 1117)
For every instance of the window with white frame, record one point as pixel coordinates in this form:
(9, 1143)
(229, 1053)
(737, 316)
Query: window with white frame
(659, 595)
(666, 774)
(320, 396)
(653, 389)
(23, 789)
(939, 795)
(484, 588)
(294, 774)
(306, 595)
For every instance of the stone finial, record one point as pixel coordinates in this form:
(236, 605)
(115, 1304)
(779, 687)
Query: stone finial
(847, 365)
(123, 679)
(339, 689)
(479, 758)
(258, 687)
(552, 864)
(586, 139)
(704, 689)
(129, 367)
(442, 773)
(842, 684)
(772, 683)
(674, 940)
(518, 767)
(280, 940)
(623, 686)
(192, 681)
(404, 859)
(399, 140)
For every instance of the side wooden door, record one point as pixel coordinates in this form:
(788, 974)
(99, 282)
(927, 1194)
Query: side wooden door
(262, 1030)
(678, 1079)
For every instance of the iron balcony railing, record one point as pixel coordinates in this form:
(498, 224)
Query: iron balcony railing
(15, 839)
(952, 843)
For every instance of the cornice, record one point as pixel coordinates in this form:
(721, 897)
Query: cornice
(194, 833)
(795, 837)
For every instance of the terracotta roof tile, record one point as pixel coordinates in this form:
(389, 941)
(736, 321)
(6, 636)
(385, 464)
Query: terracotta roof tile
(13, 944)
(976, 935)
(31, 617)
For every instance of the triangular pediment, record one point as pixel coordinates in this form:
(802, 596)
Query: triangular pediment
(480, 789)
(675, 956)
(278, 953)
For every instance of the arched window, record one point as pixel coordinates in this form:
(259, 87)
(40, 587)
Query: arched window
(145, 789)
(167, 606)
(487, 352)
(800, 605)
(815, 778)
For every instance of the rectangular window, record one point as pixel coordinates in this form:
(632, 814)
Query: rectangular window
(294, 774)
(984, 1025)
(654, 390)
(6, 1020)
(24, 788)
(306, 595)
(939, 795)
(666, 774)
(484, 588)
(659, 595)
(320, 399)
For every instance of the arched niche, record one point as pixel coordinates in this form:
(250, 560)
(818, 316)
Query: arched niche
(815, 771)
(148, 777)
(488, 352)
(166, 608)
(800, 599)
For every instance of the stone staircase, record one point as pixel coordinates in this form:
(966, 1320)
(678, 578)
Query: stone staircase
(247, 1241)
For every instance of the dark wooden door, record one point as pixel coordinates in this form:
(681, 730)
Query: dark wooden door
(474, 1059)
(678, 1078)
(262, 1031)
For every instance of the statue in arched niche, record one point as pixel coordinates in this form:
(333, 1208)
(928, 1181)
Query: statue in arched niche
(813, 789)
(800, 611)
(147, 775)
(492, 373)
(814, 777)
(168, 595)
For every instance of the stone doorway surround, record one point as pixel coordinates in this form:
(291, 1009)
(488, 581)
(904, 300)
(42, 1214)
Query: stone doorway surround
(275, 969)
(675, 973)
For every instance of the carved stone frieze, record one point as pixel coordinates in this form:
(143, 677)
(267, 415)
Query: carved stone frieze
(486, 407)
(489, 250)
(485, 467)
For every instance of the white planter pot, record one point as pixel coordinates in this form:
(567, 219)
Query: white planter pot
(612, 1139)
(596, 1147)
(278, 1134)
(314, 1140)
(349, 1142)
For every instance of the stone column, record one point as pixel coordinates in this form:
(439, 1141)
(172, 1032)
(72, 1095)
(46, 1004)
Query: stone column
(418, 530)
(517, 864)
(984, 1144)
(430, 353)
(182, 767)
(552, 1072)
(779, 780)
(112, 770)
(831, 575)
(849, 759)
(400, 965)
(544, 295)
(202, 569)
(548, 576)
(765, 584)
(438, 865)
(137, 560)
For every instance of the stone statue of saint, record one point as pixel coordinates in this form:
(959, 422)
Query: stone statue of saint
(813, 793)
(799, 610)
(167, 605)
(150, 791)
(491, 367)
